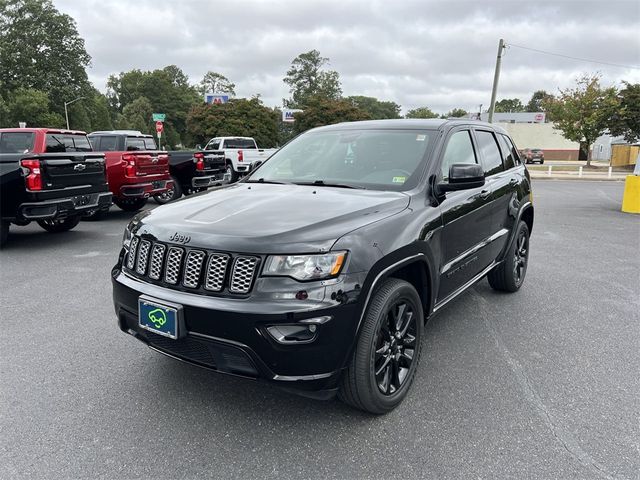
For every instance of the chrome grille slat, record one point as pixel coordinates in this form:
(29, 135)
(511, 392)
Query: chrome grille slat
(174, 262)
(242, 274)
(143, 257)
(216, 269)
(192, 269)
(131, 257)
(157, 257)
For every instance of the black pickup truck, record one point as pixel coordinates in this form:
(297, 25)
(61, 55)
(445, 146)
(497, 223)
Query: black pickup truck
(49, 176)
(193, 171)
(318, 270)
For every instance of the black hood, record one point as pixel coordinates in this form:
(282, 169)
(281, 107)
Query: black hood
(267, 218)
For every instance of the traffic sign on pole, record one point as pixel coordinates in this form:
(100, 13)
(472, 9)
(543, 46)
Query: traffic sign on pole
(159, 126)
(158, 117)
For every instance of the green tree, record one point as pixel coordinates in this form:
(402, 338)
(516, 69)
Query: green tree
(509, 105)
(307, 79)
(31, 106)
(536, 102)
(455, 113)
(213, 82)
(137, 115)
(625, 120)
(421, 112)
(241, 117)
(40, 49)
(324, 111)
(376, 109)
(582, 113)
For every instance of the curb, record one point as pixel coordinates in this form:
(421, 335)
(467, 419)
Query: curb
(599, 178)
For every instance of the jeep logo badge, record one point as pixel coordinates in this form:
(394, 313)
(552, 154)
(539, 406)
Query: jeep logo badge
(179, 238)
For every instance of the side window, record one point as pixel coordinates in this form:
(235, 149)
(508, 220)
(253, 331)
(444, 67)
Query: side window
(514, 151)
(507, 154)
(108, 144)
(215, 145)
(490, 153)
(459, 149)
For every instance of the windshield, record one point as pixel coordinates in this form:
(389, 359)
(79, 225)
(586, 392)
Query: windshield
(66, 142)
(374, 159)
(16, 142)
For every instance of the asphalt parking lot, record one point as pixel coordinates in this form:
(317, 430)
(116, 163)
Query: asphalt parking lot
(544, 383)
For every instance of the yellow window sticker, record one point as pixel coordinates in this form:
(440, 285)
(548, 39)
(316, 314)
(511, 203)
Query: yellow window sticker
(399, 179)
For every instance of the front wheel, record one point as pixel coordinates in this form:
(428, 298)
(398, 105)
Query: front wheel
(130, 204)
(388, 350)
(509, 275)
(60, 225)
(173, 193)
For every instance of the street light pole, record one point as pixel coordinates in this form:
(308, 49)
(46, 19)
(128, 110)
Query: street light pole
(66, 114)
(496, 77)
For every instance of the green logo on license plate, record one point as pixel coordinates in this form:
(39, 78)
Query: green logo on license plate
(157, 317)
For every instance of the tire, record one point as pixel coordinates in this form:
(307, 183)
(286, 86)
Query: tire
(233, 175)
(58, 226)
(130, 204)
(541, 162)
(170, 195)
(378, 348)
(4, 233)
(509, 275)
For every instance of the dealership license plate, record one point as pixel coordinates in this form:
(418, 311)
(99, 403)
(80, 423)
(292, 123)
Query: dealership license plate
(158, 184)
(159, 317)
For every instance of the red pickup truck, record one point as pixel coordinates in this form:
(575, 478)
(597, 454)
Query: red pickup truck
(50, 176)
(136, 170)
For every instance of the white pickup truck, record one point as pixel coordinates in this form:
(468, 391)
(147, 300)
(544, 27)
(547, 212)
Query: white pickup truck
(239, 153)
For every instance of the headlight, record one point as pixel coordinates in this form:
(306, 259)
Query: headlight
(305, 267)
(126, 238)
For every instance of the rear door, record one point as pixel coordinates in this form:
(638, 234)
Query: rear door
(70, 162)
(466, 217)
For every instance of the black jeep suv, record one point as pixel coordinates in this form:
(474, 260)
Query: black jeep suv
(318, 270)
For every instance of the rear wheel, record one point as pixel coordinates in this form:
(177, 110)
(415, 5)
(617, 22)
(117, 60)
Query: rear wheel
(541, 162)
(59, 225)
(509, 275)
(173, 193)
(388, 350)
(4, 233)
(231, 173)
(130, 204)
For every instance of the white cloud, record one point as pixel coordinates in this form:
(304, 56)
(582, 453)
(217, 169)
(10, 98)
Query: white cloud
(416, 53)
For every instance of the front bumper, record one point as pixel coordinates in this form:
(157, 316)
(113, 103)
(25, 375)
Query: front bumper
(58, 208)
(229, 335)
(145, 190)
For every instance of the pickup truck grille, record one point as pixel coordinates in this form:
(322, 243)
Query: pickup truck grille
(190, 269)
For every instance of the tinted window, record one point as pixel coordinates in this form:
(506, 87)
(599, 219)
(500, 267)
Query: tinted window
(491, 156)
(140, 143)
(244, 143)
(64, 142)
(214, 145)
(459, 150)
(507, 154)
(106, 144)
(374, 159)
(16, 142)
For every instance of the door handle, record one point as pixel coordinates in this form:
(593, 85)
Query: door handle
(485, 193)
(513, 182)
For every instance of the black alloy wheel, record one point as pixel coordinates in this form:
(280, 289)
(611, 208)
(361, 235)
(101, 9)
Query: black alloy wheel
(509, 275)
(520, 257)
(385, 359)
(395, 347)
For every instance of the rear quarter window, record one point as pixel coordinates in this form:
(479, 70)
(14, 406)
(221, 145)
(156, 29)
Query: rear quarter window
(16, 142)
(490, 152)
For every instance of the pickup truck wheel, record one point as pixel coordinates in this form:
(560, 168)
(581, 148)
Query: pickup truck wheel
(130, 204)
(173, 194)
(4, 233)
(509, 275)
(57, 226)
(388, 350)
(231, 173)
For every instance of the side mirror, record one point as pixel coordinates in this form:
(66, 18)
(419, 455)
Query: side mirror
(255, 165)
(463, 176)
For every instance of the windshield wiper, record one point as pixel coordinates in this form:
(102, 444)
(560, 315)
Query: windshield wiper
(322, 183)
(262, 180)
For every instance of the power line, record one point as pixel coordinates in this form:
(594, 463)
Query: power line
(574, 58)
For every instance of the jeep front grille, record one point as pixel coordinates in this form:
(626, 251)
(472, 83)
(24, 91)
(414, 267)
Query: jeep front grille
(191, 269)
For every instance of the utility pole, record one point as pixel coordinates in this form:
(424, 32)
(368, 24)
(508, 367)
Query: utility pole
(66, 114)
(496, 77)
